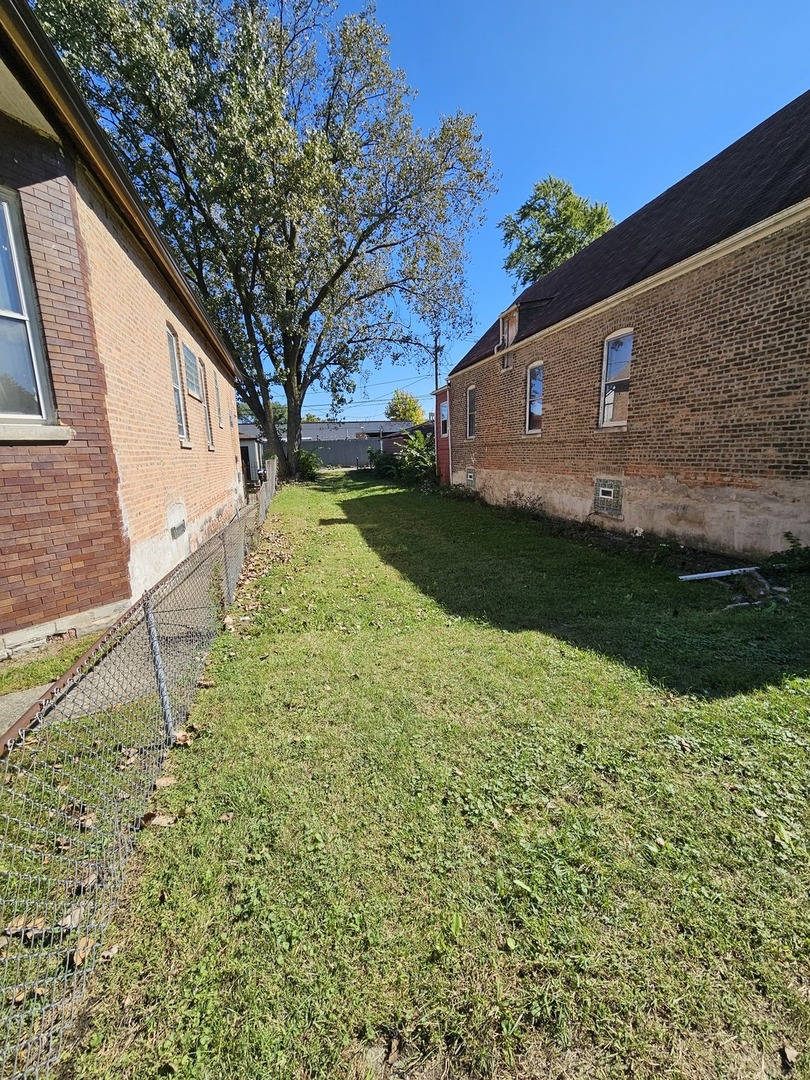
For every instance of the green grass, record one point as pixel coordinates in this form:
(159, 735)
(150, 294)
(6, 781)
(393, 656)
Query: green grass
(44, 666)
(479, 796)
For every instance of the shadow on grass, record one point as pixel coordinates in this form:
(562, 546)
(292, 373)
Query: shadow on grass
(482, 563)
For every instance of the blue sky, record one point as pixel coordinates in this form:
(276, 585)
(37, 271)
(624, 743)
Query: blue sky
(622, 99)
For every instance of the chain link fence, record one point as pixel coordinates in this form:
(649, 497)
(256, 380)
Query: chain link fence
(78, 773)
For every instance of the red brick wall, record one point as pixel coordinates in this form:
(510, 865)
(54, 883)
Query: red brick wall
(717, 445)
(61, 536)
(442, 441)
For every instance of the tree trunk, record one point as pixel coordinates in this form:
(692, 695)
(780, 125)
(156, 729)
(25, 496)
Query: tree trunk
(293, 431)
(276, 447)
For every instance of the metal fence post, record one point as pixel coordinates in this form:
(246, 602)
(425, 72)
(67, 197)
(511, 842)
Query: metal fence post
(160, 674)
(225, 569)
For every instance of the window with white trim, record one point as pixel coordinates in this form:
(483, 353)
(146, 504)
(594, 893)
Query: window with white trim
(618, 355)
(25, 392)
(177, 384)
(534, 398)
(192, 373)
(209, 431)
(216, 398)
(443, 419)
(471, 412)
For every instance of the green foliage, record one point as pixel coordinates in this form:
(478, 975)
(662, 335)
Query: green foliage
(309, 464)
(794, 559)
(311, 418)
(418, 458)
(414, 464)
(552, 225)
(275, 147)
(405, 406)
(384, 465)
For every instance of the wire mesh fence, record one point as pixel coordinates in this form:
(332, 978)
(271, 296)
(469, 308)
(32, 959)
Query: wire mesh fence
(77, 777)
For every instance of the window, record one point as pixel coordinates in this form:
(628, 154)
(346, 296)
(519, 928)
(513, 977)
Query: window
(216, 398)
(209, 433)
(534, 398)
(616, 378)
(443, 419)
(509, 325)
(192, 373)
(470, 412)
(24, 386)
(177, 385)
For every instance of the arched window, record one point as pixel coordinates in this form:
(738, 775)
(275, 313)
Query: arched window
(534, 398)
(618, 355)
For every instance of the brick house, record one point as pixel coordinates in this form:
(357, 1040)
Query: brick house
(119, 448)
(660, 378)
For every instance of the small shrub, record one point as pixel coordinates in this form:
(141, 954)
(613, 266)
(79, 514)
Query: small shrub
(385, 466)
(308, 465)
(795, 559)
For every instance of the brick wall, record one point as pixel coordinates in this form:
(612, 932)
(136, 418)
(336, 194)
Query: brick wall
(716, 449)
(61, 536)
(162, 484)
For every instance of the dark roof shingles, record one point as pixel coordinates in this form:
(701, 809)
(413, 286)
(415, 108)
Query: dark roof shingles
(764, 172)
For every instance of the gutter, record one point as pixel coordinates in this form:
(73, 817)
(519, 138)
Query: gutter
(36, 54)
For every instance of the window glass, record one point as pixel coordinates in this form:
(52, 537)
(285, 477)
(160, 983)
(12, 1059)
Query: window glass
(471, 412)
(192, 372)
(23, 380)
(9, 289)
(616, 395)
(534, 419)
(216, 398)
(179, 404)
(209, 433)
(443, 418)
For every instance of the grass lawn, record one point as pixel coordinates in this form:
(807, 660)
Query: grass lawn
(469, 799)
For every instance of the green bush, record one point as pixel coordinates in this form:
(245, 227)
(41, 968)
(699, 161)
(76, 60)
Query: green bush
(795, 559)
(415, 464)
(418, 459)
(308, 465)
(386, 466)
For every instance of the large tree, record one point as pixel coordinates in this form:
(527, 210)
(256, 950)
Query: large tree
(552, 225)
(275, 147)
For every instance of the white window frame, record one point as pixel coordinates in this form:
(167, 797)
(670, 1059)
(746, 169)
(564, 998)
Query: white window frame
(209, 429)
(444, 418)
(192, 366)
(177, 384)
(10, 209)
(529, 370)
(217, 398)
(611, 337)
(471, 390)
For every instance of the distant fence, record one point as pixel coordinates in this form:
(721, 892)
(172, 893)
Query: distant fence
(343, 453)
(78, 774)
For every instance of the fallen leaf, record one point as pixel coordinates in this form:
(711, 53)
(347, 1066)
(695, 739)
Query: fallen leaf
(84, 948)
(36, 928)
(73, 918)
(160, 821)
(108, 954)
(88, 880)
(183, 738)
(227, 818)
(165, 781)
(790, 1055)
(206, 684)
